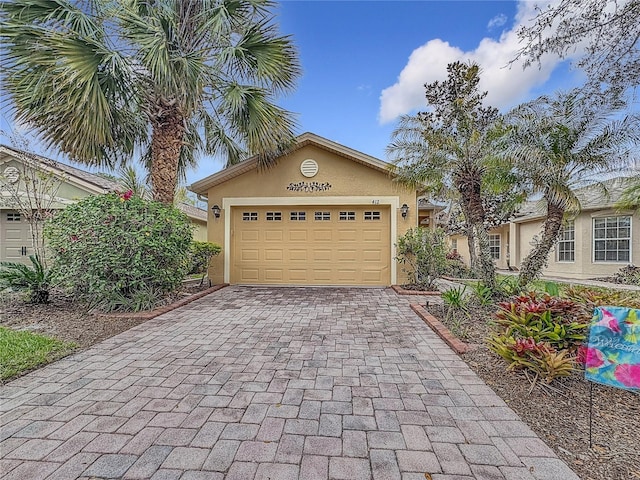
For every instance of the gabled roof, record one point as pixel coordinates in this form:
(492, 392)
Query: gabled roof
(196, 213)
(86, 180)
(91, 182)
(591, 197)
(202, 186)
(425, 204)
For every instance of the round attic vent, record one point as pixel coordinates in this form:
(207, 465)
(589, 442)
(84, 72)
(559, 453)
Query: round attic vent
(309, 168)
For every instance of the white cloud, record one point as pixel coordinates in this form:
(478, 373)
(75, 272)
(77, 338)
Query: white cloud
(497, 21)
(506, 86)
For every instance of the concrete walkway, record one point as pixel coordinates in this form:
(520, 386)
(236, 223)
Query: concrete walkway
(269, 383)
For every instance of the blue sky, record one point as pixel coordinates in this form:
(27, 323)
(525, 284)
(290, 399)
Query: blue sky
(365, 62)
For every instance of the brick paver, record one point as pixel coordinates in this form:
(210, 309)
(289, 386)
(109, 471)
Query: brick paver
(269, 383)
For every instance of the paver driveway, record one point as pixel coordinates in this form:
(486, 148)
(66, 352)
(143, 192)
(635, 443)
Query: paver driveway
(269, 383)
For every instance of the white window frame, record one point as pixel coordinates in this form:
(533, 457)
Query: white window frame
(493, 236)
(593, 238)
(561, 239)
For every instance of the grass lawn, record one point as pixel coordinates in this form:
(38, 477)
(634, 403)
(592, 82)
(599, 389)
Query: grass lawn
(23, 351)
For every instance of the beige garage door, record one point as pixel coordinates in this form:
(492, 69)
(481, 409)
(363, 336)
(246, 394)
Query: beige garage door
(347, 245)
(15, 237)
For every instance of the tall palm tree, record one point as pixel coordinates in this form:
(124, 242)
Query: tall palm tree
(560, 143)
(448, 151)
(103, 79)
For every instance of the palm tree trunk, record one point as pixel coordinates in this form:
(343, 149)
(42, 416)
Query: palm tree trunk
(533, 264)
(166, 143)
(469, 186)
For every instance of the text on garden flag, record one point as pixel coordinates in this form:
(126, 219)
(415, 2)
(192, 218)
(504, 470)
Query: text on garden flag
(613, 352)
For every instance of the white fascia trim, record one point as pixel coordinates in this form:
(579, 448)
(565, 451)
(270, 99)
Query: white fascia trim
(392, 201)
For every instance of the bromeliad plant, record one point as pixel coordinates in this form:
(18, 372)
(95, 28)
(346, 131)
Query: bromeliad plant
(540, 358)
(539, 333)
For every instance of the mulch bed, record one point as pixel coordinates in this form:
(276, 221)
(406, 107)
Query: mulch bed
(67, 320)
(559, 413)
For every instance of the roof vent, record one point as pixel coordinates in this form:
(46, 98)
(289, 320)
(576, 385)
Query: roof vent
(309, 168)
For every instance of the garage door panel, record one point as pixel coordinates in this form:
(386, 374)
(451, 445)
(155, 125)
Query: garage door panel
(249, 255)
(322, 235)
(322, 275)
(273, 236)
(250, 235)
(348, 276)
(372, 235)
(322, 255)
(273, 254)
(347, 255)
(274, 275)
(345, 235)
(372, 276)
(298, 235)
(372, 255)
(298, 275)
(298, 255)
(249, 275)
(342, 246)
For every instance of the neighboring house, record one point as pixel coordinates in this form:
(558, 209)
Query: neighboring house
(323, 215)
(429, 214)
(75, 184)
(596, 243)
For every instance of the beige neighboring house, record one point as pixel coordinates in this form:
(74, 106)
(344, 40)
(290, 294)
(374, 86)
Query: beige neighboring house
(596, 243)
(15, 237)
(323, 215)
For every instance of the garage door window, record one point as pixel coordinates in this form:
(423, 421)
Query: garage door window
(249, 216)
(322, 216)
(375, 215)
(274, 216)
(13, 217)
(298, 216)
(347, 216)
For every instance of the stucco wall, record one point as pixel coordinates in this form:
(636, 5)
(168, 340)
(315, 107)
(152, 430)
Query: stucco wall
(199, 231)
(463, 246)
(583, 267)
(347, 178)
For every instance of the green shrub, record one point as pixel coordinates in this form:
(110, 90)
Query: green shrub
(112, 250)
(483, 294)
(455, 297)
(201, 254)
(35, 280)
(455, 266)
(423, 252)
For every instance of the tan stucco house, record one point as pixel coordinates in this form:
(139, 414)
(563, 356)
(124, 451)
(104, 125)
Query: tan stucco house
(325, 214)
(597, 242)
(75, 184)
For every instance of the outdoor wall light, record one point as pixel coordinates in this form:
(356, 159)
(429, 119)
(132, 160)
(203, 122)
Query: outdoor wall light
(404, 209)
(216, 211)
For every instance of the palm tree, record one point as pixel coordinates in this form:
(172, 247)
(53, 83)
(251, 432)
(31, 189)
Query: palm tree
(448, 151)
(103, 79)
(560, 143)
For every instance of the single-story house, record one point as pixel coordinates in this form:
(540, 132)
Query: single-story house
(324, 214)
(75, 184)
(597, 242)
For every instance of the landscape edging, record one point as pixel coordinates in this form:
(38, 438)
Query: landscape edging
(149, 314)
(443, 332)
(402, 291)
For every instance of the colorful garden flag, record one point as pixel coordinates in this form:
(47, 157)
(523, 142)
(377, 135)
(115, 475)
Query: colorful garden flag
(613, 353)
